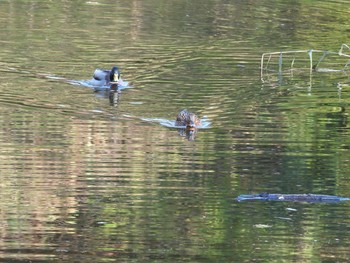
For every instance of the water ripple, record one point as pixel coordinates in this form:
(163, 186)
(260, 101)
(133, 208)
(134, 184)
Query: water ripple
(205, 123)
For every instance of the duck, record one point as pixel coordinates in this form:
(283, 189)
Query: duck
(104, 77)
(188, 119)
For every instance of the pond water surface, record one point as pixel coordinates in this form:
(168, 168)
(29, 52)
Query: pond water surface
(100, 177)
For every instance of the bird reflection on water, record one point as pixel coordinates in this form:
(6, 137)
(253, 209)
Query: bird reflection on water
(114, 95)
(189, 134)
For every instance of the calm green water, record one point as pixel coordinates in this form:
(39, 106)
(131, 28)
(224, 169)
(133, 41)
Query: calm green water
(84, 179)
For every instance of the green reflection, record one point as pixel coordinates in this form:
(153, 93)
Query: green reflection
(86, 181)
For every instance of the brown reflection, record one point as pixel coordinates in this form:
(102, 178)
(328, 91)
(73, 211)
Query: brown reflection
(189, 134)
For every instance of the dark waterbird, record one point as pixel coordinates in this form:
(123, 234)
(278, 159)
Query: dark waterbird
(309, 198)
(188, 119)
(190, 123)
(103, 77)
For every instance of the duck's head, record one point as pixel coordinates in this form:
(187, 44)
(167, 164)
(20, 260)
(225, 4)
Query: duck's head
(114, 75)
(191, 121)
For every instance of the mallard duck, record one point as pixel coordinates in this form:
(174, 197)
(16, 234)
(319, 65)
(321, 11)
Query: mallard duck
(188, 119)
(103, 77)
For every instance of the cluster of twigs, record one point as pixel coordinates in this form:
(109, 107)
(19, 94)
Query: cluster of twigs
(288, 60)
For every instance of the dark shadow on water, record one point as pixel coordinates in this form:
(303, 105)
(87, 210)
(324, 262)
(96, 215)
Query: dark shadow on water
(113, 94)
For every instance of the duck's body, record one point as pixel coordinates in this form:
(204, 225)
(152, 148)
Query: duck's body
(188, 119)
(103, 77)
